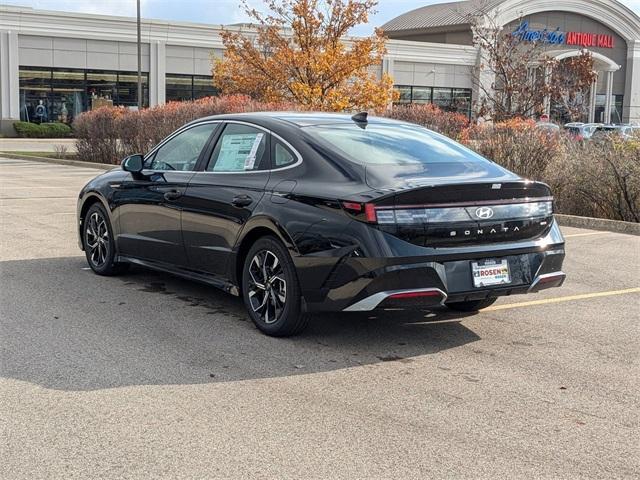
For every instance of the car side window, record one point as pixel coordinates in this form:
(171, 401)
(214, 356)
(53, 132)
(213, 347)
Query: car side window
(182, 151)
(240, 148)
(280, 154)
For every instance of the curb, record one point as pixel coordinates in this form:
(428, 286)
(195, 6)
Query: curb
(630, 228)
(59, 161)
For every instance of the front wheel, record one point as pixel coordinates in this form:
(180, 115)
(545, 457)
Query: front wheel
(99, 245)
(471, 305)
(271, 291)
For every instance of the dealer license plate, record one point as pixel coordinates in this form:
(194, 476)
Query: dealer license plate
(490, 272)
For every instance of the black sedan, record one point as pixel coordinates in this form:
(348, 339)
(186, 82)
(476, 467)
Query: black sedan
(307, 212)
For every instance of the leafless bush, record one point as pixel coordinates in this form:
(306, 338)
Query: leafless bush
(61, 151)
(108, 134)
(588, 178)
(515, 144)
(597, 178)
(450, 124)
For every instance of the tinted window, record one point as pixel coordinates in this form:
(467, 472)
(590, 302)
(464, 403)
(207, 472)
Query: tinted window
(183, 150)
(281, 155)
(394, 145)
(240, 148)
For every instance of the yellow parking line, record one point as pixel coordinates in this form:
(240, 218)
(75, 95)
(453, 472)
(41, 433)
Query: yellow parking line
(585, 234)
(562, 299)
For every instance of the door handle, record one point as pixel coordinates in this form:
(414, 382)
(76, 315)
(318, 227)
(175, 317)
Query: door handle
(172, 195)
(242, 201)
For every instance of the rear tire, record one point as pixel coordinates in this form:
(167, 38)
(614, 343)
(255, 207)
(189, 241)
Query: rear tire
(99, 244)
(271, 291)
(471, 305)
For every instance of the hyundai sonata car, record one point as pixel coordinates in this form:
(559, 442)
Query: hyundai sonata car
(307, 212)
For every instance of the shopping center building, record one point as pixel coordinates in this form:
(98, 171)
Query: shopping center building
(55, 65)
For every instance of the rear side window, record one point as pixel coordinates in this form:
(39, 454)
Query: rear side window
(281, 155)
(240, 148)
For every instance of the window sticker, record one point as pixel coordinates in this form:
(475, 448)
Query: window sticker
(238, 152)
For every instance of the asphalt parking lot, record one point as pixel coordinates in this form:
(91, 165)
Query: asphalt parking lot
(149, 376)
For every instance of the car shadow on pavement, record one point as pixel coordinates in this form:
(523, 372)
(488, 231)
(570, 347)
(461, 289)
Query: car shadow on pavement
(63, 327)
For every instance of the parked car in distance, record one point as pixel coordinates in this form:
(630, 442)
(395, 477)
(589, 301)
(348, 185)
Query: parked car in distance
(630, 131)
(624, 131)
(581, 131)
(602, 131)
(312, 212)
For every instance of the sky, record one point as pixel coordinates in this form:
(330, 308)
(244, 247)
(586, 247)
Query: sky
(219, 11)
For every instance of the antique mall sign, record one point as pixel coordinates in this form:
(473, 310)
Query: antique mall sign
(557, 37)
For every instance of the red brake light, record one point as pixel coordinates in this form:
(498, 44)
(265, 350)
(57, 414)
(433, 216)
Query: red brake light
(370, 212)
(352, 206)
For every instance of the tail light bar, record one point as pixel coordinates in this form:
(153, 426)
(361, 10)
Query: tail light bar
(419, 214)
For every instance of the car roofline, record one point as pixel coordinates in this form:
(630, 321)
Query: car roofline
(281, 117)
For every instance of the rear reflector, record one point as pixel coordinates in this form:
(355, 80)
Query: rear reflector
(427, 293)
(550, 278)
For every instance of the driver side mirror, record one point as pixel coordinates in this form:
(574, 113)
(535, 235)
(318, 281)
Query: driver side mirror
(133, 163)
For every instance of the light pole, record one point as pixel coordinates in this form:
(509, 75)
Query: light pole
(139, 60)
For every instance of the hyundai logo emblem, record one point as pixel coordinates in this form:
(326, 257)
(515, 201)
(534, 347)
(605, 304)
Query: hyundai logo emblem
(484, 213)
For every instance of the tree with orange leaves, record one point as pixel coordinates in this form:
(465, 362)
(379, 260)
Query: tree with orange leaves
(299, 52)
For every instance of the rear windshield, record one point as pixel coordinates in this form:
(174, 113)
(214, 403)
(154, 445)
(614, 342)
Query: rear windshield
(383, 144)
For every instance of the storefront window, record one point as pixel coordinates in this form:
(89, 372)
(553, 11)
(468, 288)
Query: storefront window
(179, 88)
(448, 99)
(59, 95)
(35, 86)
(68, 95)
(188, 87)
(442, 98)
(203, 87)
(421, 94)
(127, 90)
(405, 94)
(461, 100)
(616, 109)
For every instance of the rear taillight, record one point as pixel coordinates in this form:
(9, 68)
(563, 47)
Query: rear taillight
(416, 215)
(410, 215)
(353, 207)
(370, 213)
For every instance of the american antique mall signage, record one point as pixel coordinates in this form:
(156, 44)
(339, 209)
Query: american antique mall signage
(557, 37)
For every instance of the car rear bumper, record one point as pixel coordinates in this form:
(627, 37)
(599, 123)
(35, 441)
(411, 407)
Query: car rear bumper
(363, 284)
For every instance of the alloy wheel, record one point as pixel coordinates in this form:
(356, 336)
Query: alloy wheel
(97, 239)
(267, 286)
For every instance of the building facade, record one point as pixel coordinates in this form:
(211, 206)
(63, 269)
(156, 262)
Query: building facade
(608, 30)
(55, 65)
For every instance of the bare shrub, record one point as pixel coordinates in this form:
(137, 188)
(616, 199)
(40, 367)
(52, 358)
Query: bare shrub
(60, 151)
(598, 178)
(588, 178)
(108, 134)
(97, 133)
(515, 144)
(450, 124)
